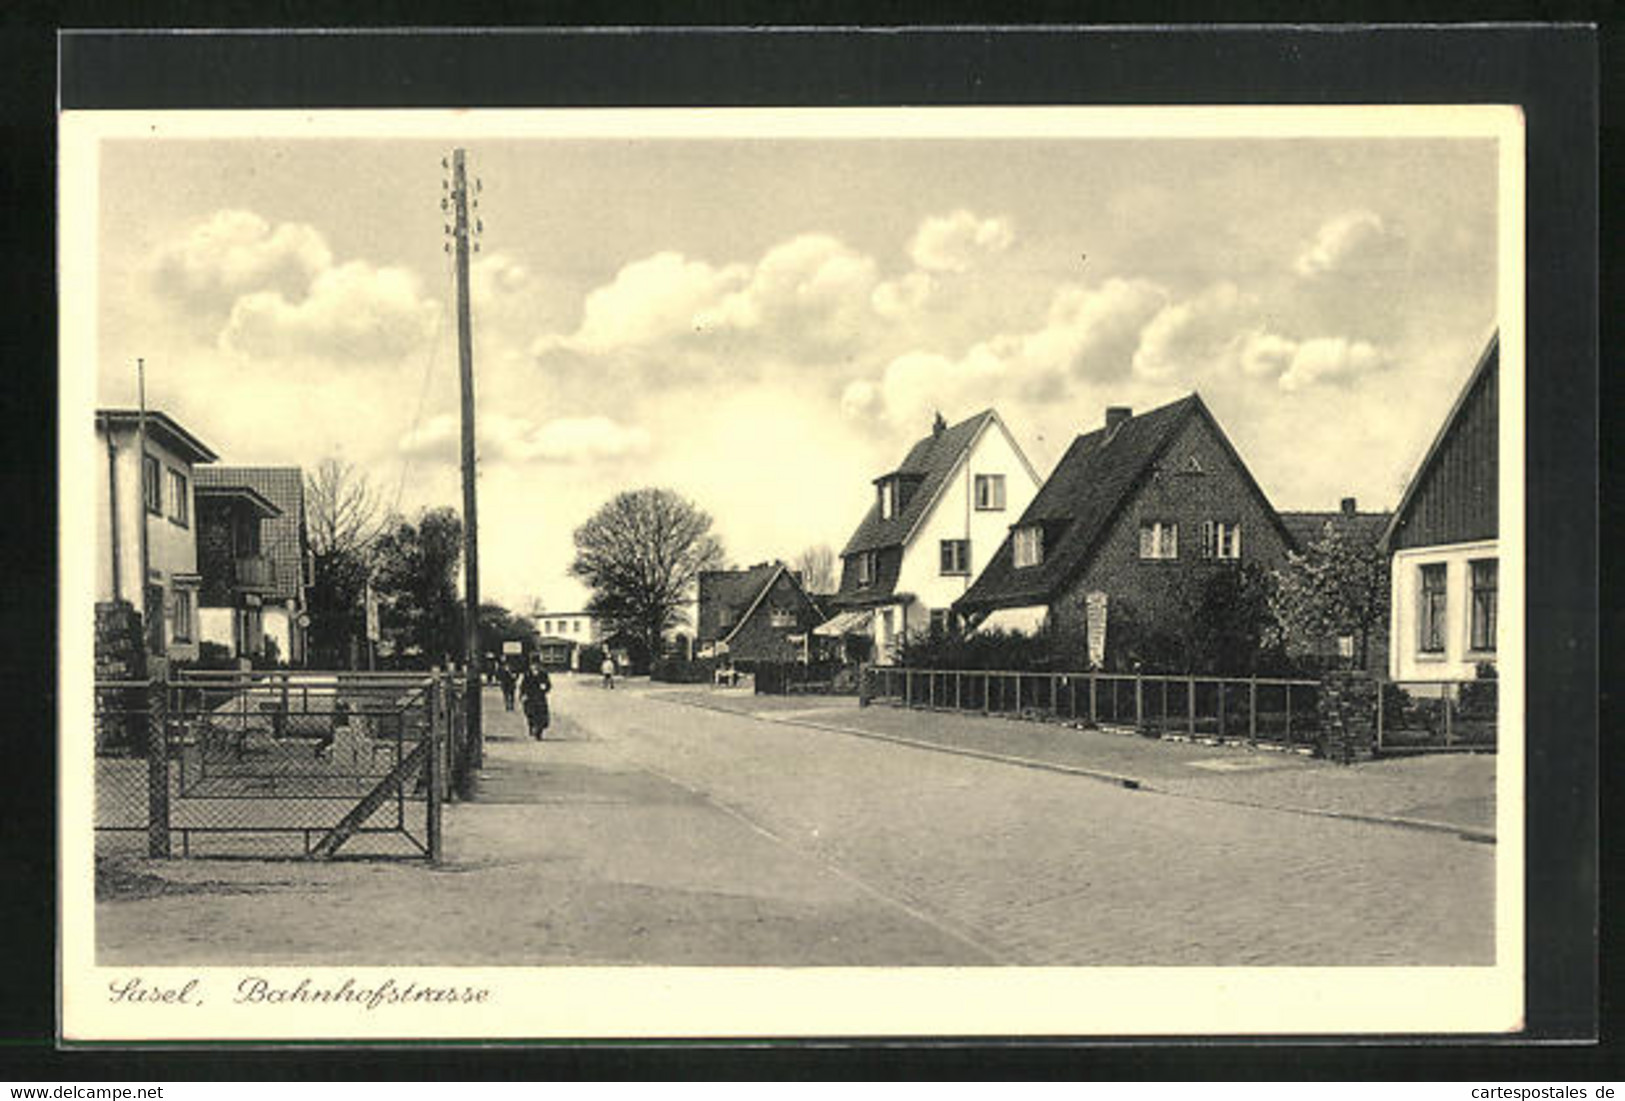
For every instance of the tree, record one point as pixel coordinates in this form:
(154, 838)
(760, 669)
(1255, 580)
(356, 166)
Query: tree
(641, 554)
(342, 521)
(499, 625)
(415, 576)
(817, 568)
(1337, 587)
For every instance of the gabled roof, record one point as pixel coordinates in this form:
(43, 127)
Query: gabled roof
(1363, 527)
(1488, 362)
(1093, 482)
(736, 589)
(282, 538)
(761, 594)
(930, 463)
(162, 428)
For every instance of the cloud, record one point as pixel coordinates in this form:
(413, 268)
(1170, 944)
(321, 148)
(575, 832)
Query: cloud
(1089, 333)
(1353, 239)
(1189, 337)
(353, 312)
(1332, 360)
(656, 298)
(508, 439)
(236, 252)
(898, 297)
(955, 241)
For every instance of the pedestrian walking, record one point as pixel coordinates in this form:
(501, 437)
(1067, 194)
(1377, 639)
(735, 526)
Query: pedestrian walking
(509, 680)
(608, 669)
(533, 689)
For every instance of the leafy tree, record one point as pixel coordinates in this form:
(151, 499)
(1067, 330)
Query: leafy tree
(342, 520)
(817, 568)
(415, 577)
(641, 554)
(1337, 587)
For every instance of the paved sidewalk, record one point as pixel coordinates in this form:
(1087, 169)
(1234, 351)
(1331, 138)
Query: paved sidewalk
(1453, 793)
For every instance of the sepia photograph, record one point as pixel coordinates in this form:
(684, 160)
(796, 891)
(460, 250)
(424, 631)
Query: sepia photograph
(792, 572)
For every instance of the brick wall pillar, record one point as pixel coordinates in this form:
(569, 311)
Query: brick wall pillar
(121, 655)
(1347, 707)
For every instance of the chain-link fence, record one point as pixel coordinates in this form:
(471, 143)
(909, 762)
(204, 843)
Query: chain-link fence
(277, 763)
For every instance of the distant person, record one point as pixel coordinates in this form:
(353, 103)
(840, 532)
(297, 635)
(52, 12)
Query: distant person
(533, 689)
(608, 669)
(508, 679)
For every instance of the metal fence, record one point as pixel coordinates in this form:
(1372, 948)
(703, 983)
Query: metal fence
(1432, 716)
(1263, 710)
(278, 763)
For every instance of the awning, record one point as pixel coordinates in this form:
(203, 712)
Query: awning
(846, 623)
(1027, 620)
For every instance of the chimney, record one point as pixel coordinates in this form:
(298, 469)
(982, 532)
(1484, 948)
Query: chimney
(939, 425)
(1348, 506)
(1116, 417)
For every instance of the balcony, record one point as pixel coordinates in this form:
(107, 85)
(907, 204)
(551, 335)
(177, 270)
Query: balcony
(255, 574)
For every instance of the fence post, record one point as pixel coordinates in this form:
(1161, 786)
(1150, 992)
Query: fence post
(1252, 708)
(958, 689)
(1139, 701)
(1094, 713)
(1288, 712)
(439, 738)
(1223, 699)
(157, 769)
(1444, 698)
(863, 684)
(1018, 693)
(1190, 704)
(1381, 692)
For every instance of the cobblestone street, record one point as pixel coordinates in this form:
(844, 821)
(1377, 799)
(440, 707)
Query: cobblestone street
(651, 830)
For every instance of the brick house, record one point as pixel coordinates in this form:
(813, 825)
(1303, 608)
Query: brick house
(754, 615)
(933, 524)
(254, 555)
(1142, 512)
(154, 491)
(1443, 541)
(1365, 529)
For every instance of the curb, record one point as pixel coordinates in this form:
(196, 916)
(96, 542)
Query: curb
(1428, 825)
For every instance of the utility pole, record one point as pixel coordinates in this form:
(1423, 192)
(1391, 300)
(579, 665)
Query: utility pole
(141, 480)
(460, 231)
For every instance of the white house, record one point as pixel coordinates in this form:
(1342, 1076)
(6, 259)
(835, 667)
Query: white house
(1445, 570)
(935, 522)
(154, 492)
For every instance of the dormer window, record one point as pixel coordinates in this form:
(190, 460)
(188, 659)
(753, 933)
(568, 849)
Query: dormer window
(888, 499)
(866, 566)
(1028, 546)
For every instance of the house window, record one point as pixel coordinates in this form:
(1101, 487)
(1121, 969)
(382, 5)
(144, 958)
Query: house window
(990, 492)
(183, 615)
(866, 564)
(151, 490)
(1221, 539)
(1028, 547)
(782, 617)
(888, 499)
(1432, 610)
(956, 556)
(939, 621)
(1159, 540)
(1484, 585)
(177, 497)
(725, 617)
(575, 627)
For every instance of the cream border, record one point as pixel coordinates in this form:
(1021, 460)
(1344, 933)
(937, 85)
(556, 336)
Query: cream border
(648, 1002)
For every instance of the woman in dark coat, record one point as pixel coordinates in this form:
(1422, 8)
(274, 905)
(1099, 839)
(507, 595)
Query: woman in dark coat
(508, 679)
(533, 689)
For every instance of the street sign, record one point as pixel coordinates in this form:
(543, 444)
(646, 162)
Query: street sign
(1095, 606)
(513, 646)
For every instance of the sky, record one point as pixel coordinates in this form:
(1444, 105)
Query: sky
(766, 324)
